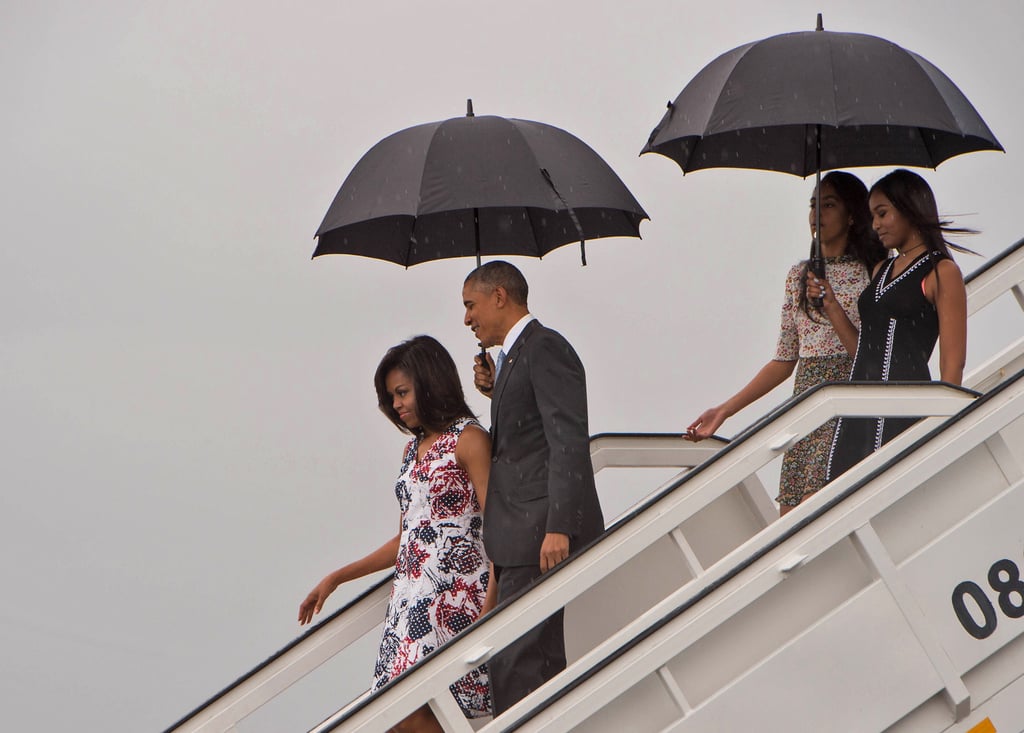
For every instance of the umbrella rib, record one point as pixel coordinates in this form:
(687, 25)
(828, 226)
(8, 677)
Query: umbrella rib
(410, 242)
(572, 215)
(534, 229)
(927, 147)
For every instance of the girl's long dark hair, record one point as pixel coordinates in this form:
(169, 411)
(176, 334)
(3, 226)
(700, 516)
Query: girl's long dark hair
(861, 241)
(440, 400)
(911, 195)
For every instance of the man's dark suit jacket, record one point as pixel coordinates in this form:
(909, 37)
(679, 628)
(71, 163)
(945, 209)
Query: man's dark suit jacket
(541, 477)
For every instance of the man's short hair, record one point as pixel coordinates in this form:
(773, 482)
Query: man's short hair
(501, 274)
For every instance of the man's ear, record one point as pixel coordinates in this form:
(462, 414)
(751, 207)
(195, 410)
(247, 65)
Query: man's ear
(500, 296)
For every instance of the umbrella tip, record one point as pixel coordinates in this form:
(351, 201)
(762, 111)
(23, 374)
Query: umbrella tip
(821, 26)
(469, 108)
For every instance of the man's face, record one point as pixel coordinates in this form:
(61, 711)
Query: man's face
(483, 314)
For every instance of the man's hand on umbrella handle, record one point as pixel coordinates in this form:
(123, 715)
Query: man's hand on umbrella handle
(483, 373)
(553, 550)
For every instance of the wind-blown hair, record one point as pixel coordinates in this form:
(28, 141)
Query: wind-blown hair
(861, 241)
(499, 273)
(440, 400)
(911, 195)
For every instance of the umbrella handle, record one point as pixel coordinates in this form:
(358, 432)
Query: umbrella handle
(817, 266)
(483, 360)
(817, 263)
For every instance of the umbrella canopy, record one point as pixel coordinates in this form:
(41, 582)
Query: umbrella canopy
(473, 186)
(852, 99)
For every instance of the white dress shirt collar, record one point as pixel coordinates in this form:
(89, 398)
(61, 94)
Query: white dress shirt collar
(514, 333)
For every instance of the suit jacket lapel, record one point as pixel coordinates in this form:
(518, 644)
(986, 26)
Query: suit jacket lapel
(510, 363)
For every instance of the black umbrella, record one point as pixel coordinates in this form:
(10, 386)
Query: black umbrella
(803, 102)
(473, 186)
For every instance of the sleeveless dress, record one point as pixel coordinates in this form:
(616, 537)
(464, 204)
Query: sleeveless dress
(898, 331)
(822, 358)
(441, 572)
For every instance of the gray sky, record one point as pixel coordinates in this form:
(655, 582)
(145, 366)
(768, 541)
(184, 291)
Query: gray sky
(190, 436)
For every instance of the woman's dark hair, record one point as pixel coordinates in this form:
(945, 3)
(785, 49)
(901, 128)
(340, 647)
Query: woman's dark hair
(439, 397)
(861, 241)
(911, 195)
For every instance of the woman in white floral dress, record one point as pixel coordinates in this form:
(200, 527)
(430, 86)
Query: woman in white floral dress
(441, 570)
(808, 341)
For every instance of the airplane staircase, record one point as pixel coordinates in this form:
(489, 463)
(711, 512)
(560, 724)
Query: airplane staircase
(890, 601)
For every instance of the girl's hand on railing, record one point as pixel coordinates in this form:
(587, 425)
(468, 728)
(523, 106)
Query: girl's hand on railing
(706, 425)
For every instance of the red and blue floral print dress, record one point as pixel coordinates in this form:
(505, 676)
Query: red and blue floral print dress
(441, 573)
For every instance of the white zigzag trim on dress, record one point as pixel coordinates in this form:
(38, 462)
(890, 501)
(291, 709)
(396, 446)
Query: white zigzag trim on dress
(886, 364)
(832, 449)
(880, 288)
(878, 432)
(856, 351)
(887, 357)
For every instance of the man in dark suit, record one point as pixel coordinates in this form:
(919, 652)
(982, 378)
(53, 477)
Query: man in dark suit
(541, 500)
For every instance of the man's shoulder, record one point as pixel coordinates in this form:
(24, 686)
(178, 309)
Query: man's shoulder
(537, 332)
(551, 347)
(539, 337)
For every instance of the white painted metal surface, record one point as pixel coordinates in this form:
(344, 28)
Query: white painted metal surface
(864, 634)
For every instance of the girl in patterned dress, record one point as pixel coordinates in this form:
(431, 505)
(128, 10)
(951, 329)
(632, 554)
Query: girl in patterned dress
(441, 570)
(916, 297)
(818, 348)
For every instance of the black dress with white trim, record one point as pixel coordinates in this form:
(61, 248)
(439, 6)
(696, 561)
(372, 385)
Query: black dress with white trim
(898, 331)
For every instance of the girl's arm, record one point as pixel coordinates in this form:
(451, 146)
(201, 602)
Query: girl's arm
(771, 376)
(945, 289)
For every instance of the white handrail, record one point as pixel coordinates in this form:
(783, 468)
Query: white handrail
(1004, 273)
(363, 615)
(429, 681)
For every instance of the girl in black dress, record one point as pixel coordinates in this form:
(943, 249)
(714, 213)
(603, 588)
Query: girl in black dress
(915, 298)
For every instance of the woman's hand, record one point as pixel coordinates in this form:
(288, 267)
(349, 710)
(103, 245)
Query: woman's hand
(382, 558)
(706, 425)
(315, 600)
(819, 287)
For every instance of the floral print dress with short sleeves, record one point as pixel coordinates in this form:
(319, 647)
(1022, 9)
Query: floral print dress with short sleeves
(807, 336)
(442, 572)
